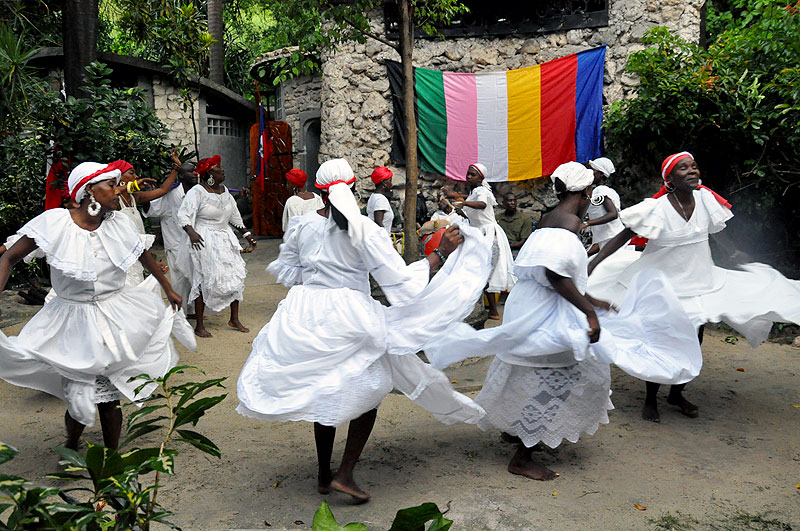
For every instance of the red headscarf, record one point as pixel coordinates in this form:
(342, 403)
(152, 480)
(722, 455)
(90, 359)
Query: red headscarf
(205, 165)
(297, 177)
(381, 173)
(121, 165)
(666, 168)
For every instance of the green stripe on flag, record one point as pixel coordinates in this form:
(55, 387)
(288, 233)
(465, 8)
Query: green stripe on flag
(431, 120)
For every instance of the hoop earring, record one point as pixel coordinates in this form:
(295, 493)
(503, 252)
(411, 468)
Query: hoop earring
(210, 181)
(94, 206)
(669, 186)
(699, 183)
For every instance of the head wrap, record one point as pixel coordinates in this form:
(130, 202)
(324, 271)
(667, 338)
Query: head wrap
(87, 173)
(336, 176)
(603, 165)
(381, 173)
(121, 165)
(297, 177)
(205, 165)
(574, 175)
(480, 167)
(670, 162)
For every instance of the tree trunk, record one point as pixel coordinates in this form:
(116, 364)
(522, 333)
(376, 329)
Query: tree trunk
(411, 251)
(79, 26)
(216, 27)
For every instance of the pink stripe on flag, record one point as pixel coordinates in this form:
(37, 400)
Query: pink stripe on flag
(461, 101)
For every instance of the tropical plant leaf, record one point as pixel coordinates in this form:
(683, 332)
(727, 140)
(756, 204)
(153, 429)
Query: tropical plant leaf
(195, 410)
(7, 453)
(200, 442)
(415, 518)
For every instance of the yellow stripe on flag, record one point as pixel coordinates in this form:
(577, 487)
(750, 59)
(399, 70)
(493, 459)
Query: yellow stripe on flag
(524, 123)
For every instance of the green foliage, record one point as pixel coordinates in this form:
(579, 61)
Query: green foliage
(410, 519)
(119, 496)
(734, 105)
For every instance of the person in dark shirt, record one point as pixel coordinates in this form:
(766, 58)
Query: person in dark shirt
(517, 225)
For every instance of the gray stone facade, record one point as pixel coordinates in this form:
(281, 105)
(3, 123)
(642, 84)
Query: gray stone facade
(356, 112)
(168, 106)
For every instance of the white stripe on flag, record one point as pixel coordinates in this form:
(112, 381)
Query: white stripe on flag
(492, 96)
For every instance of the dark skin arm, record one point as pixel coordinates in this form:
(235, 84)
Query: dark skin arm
(566, 288)
(451, 239)
(378, 217)
(154, 267)
(9, 259)
(615, 243)
(611, 214)
(144, 197)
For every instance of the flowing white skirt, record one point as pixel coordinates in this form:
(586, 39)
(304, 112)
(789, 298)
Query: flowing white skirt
(218, 270)
(67, 345)
(749, 300)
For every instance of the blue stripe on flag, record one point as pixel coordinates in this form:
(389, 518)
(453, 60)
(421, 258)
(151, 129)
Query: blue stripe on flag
(589, 104)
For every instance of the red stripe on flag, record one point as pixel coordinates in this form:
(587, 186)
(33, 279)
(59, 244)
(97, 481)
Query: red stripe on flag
(558, 112)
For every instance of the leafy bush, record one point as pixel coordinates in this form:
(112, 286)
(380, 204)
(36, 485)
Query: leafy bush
(735, 106)
(410, 519)
(120, 498)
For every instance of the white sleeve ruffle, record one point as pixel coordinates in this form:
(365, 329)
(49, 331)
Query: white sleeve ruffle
(287, 268)
(647, 219)
(188, 210)
(68, 247)
(555, 249)
(36, 253)
(718, 215)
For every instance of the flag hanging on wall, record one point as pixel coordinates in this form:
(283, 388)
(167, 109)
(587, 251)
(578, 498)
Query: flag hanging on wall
(520, 123)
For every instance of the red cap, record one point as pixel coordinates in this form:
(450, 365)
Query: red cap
(204, 165)
(381, 173)
(297, 177)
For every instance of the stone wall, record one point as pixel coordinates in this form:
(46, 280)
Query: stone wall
(356, 104)
(168, 106)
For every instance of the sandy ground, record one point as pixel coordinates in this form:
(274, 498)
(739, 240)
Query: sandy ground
(735, 467)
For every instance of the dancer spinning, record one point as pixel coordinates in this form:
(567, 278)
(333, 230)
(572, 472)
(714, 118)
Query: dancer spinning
(603, 212)
(86, 345)
(677, 224)
(302, 201)
(331, 353)
(479, 209)
(550, 378)
(207, 214)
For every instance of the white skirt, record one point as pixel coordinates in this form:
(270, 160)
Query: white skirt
(218, 270)
(548, 405)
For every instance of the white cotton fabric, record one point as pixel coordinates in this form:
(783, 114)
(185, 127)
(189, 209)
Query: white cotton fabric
(14, 238)
(451, 218)
(176, 241)
(501, 278)
(748, 300)
(96, 326)
(602, 233)
(297, 206)
(574, 175)
(379, 202)
(548, 382)
(331, 352)
(603, 165)
(135, 274)
(334, 170)
(218, 270)
(85, 169)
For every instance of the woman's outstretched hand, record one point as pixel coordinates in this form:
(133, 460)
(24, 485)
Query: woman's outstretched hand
(174, 299)
(451, 239)
(195, 239)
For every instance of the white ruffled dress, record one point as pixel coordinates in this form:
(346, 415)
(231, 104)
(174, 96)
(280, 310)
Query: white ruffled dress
(176, 241)
(85, 344)
(135, 275)
(218, 270)
(331, 352)
(747, 300)
(601, 234)
(501, 278)
(547, 382)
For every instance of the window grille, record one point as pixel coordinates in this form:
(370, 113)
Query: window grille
(223, 126)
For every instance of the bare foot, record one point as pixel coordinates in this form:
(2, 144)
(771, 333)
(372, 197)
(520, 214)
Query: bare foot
(238, 326)
(533, 470)
(324, 482)
(200, 331)
(686, 407)
(650, 412)
(324, 489)
(350, 487)
(494, 316)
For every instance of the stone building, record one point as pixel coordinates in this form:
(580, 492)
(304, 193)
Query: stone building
(218, 121)
(349, 105)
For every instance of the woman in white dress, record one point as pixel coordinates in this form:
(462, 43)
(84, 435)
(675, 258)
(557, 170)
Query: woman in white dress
(677, 225)
(302, 201)
(208, 214)
(478, 207)
(379, 209)
(550, 378)
(97, 333)
(331, 353)
(603, 211)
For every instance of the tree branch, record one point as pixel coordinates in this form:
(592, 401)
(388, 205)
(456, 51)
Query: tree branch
(395, 47)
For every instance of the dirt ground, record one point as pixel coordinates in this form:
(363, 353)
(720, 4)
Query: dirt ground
(737, 466)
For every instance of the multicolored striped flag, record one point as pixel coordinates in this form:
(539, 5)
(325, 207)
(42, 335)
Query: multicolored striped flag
(520, 123)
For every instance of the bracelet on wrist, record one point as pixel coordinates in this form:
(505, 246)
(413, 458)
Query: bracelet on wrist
(440, 254)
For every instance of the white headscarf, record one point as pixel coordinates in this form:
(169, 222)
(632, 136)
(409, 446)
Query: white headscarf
(603, 165)
(87, 173)
(336, 176)
(483, 171)
(574, 175)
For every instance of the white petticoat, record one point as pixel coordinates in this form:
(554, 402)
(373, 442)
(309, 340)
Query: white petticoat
(218, 270)
(546, 405)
